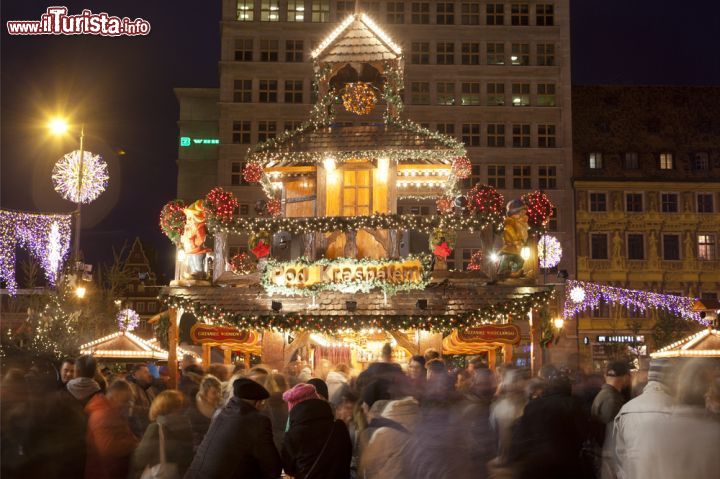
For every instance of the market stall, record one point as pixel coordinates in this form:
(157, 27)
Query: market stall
(705, 344)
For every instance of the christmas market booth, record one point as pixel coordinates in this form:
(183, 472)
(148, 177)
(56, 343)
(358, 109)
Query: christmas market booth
(705, 344)
(331, 270)
(125, 347)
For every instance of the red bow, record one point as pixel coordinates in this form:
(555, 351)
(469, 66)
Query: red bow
(261, 249)
(442, 250)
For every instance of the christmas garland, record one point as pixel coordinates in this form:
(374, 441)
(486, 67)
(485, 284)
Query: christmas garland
(516, 308)
(354, 286)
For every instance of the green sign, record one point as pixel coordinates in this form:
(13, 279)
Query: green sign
(187, 141)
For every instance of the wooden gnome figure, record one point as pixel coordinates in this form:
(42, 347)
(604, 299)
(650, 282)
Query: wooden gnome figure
(193, 240)
(515, 235)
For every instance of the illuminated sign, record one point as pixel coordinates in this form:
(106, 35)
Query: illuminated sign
(491, 333)
(187, 141)
(204, 334)
(621, 339)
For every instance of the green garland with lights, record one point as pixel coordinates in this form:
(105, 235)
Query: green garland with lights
(327, 224)
(354, 286)
(516, 308)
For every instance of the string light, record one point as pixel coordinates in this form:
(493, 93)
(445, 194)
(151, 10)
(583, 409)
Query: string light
(66, 175)
(485, 202)
(549, 251)
(359, 98)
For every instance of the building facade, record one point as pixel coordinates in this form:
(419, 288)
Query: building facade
(495, 75)
(647, 187)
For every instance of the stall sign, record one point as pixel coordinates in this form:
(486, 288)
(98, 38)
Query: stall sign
(201, 333)
(491, 333)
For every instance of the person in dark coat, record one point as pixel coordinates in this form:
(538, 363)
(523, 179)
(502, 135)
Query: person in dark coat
(239, 443)
(316, 446)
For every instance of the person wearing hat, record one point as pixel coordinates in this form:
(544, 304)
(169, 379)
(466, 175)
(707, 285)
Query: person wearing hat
(610, 399)
(515, 236)
(239, 443)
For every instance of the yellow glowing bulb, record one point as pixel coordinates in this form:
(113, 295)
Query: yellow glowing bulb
(525, 253)
(80, 291)
(559, 323)
(58, 126)
(382, 169)
(181, 255)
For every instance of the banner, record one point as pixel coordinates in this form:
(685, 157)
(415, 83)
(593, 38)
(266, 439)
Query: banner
(203, 333)
(491, 333)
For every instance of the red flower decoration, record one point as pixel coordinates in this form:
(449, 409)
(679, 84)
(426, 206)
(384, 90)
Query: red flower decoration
(221, 204)
(261, 250)
(252, 172)
(442, 250)
(461, 167)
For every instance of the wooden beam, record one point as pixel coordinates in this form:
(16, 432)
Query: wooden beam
(227, 356)
(172, 348)
(206, 355)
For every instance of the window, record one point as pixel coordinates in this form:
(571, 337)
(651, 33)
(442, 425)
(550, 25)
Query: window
(140, 306)
(521, 177)
(290, 125)
(420, 53)
(470, 13)
(236, 176)
(671, 247)
(152, 307)
(635, 246)
(294, 50)
(546, 94)
(268, 50)
(242, 91)
(470, 94)
(520, 94)
(599, 246)
(371, 7)
(705, 203)
(520, 54)
(495, 94)
(320, 10)
(630, 161)
(420, 93)
(266, 130)
(420, 13)
(521, 136)
(243, 209)
(446, 128)
(269, 11)
(471, 134)
(241, 132)
(293, 91)
(709, 296)
(267, 93)
(471, 53)
(553, 223)
(669, 202)
(706, 247)
(701, 161)
(545, 54)
(633, 202)
(395, 12)
(546, 136)
(474, 177)
(467, 254)
(666, 161)
(243, 50)
(595, 161)
(356, 192)
(445, 13)
(519, 14)
(344, 8)
(445, 93)
(495, 14)
(495, 135)
(598, 202)
(602, 310)
(495, 53)
(544, 15)
(496, 176)
(547, 177)
(445, 53)
(296, 10)
(245, 9)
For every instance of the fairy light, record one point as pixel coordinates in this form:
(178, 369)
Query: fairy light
(66, 176)
(380, 33)
(682, 348)
(333, 35)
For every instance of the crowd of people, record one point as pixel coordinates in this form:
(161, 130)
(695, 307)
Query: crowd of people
(417, 420)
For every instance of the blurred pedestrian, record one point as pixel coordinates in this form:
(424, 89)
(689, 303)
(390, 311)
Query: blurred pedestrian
(191, 377)
(201, 411)
(275, 407)
(337, 382)
(610, 398)
(140, 381)
(386, 369)
(67, 372)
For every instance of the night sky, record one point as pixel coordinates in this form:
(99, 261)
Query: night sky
(122, 89)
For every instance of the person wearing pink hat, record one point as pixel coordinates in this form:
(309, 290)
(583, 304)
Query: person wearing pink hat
(301, 392)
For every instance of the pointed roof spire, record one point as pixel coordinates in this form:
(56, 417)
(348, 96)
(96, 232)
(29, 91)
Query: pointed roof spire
(357, 39)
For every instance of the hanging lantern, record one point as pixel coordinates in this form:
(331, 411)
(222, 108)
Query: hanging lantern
(359, 98)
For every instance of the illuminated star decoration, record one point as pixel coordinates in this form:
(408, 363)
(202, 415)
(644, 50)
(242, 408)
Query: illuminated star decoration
(66, 174)
(128, 320)
(581, 296)
(549, 251)
(46, 237)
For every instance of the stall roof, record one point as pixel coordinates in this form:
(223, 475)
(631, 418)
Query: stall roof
(124, 346)
(705, 344)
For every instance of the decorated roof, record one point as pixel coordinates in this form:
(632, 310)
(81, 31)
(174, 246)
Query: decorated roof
(124, 345)
(406, 143)
(705, 344)
(357, 39)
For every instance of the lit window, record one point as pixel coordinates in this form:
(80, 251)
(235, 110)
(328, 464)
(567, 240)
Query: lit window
(471, 134)
(635, 246)
(320, 10)
(546, 94)
(706, 247)
(495, 135)
(241, 132)
(630, 161)
(243, 50)
(520, 54)
(470, 54)
(269, 50)
(445, 53)
(599, 246)
(547, 177)
(245, 9)
(595, 160)
(270, 11)
(495, 94)
(545, 54)
(495, 53)
(520, 94)
(242, 91)
(357, 195)
(266, 130)
(470, 94)
(293, 91)
(420, 13)
(296, 11)
(705, 203)
(521, 177)
(267, 92)
(669, 202)
(671, 247)
(598, 202)
(420, 53)
(445, 13)
(521, 136)
(495, 14)
(519, 14)
(496, 176)
(545, 15)
(546, 136)
(420, 93)
(294, 50)
(666, 161)
(470, 13)
(445, 93)
(634, 202)
(395, 12)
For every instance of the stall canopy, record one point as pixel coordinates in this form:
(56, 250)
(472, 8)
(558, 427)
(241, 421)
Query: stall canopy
(705, 344)
(125, 346)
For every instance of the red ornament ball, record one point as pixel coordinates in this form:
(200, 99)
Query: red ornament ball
(539, 209)
(486, 202)
(221, 204)
(444, 204)
(252, 172)
(461, 167)
(274, 207)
